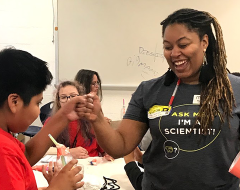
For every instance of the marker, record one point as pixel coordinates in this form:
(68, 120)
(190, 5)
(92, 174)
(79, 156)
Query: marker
(39, 168)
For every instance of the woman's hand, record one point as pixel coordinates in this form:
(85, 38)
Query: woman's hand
(79, 152)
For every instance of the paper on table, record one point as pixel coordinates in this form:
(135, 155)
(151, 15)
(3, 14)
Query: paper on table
(92, 182)
(49, 158)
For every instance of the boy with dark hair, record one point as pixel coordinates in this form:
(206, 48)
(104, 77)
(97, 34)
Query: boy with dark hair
(23, 78)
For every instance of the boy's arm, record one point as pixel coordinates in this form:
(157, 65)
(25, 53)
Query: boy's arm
(37, 146)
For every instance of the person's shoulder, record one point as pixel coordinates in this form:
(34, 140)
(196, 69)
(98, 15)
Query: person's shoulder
(159, 81)
(9, 144)
(232, 75)
(235, 83)
(154, 80)
(5, 138)
(234, 79)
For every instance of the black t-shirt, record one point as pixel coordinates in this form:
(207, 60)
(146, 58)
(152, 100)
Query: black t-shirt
(180, 158)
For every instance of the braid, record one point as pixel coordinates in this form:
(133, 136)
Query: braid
(218, 91)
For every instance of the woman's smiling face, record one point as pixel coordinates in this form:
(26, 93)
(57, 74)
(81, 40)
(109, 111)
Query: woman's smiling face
(184, 52)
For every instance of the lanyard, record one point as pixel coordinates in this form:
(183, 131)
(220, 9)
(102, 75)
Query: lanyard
(158, 110)
(75, 139)
(174, 93)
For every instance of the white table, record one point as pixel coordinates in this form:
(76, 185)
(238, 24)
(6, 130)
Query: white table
(94, 173)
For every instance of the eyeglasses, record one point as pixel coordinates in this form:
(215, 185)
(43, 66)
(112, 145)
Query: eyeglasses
(97, 83)
(64, 99)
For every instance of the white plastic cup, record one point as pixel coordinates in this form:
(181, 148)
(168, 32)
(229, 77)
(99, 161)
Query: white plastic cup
(81, 172)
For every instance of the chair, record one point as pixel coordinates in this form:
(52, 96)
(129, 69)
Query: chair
(32, 130)
(45, 111)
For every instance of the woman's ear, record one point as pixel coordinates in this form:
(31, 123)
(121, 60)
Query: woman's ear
(205, 41)
(13, 102)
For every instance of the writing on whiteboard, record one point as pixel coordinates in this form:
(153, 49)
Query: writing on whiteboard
(147, 70)
(143, 51)
(136, 61)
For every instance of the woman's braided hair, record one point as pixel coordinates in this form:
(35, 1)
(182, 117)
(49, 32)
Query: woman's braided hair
(218, 90)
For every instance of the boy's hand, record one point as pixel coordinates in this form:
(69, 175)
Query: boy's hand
(92, 109)
(138, 155)
(68, 178)
(129, 157)
(52, 171)
(76, 108)
(135, 155)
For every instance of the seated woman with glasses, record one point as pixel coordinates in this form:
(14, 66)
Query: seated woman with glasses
(79, 135)
(91, 81)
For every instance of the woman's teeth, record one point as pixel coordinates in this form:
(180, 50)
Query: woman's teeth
(179, 62)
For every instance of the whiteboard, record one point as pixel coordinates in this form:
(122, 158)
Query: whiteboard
(121, 39)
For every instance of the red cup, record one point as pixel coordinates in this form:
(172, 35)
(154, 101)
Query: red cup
(235, 166)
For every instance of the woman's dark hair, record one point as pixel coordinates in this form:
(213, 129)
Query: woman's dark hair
(23, 74)
(217, 90)
(236, 74)
(85, 129)
(85, 77)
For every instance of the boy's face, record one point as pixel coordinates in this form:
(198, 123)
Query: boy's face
(25, 115)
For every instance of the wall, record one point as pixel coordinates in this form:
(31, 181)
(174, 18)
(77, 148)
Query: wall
(122, 39)
(29, 25)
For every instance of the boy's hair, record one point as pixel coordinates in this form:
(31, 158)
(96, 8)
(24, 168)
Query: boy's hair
(23, 74)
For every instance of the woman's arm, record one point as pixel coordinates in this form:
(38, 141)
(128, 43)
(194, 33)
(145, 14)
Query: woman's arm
(121, 141)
